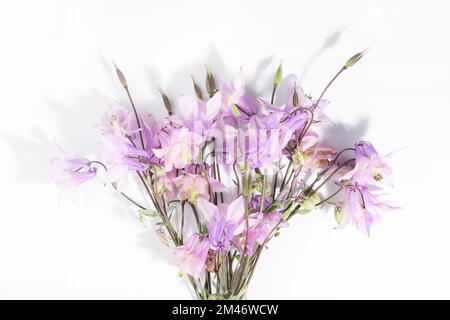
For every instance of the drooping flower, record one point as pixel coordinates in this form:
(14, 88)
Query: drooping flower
(370, 167)
(361, 208)
(191, 256)
(69, 172)
(181, 149)
(123, 157)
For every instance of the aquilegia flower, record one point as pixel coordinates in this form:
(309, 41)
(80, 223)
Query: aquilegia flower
(71, 171)
(223, 175)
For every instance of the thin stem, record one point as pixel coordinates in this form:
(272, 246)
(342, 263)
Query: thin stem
(136, 115)
(327, 86)
(273, 94)
(332, 174)
(182, 221)
(115, 187)
(132, 201)
(197, 219)
(283, 182)
(261, 201)
(331, 196)
(99, 163)
(341, 152)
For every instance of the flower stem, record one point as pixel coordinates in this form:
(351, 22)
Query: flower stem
(328, 85)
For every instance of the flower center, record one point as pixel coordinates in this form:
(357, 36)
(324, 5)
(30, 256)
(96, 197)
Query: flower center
(378, 176)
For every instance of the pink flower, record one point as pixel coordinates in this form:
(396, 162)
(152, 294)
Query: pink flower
(123, 157)
(311, 154)
(193, 186)
(191, 256)
(117, 120)
(165, 184)
(362, 209)
(370, 167)
(181, 149)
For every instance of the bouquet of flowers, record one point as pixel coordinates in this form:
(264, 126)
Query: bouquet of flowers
(226, 172)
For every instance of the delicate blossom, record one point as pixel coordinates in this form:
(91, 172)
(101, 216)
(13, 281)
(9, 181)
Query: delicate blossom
(123, 157)
(192, 186)
(223, 221)
(370, 167)
(191, 256)
(117, 119)
(362, 208)
(181, 149)
(71, 171)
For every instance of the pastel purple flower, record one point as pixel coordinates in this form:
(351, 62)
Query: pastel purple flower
(362, 208)
(235, 93)
(180, 150)
(197, 115)
(371, 168)
(69, 172)
(122, 157)
(118, 120)
(191, 256)
(193, 186)
(223, 221)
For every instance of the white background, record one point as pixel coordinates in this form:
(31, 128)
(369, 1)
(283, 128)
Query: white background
(56, 75)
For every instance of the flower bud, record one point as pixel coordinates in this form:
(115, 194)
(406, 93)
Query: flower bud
(121, 76)
(295, 99)
(166, 101)
(338, 214)
(278, 75)
(234, 109)
(353, 60)
(210, 82)
(198, 91)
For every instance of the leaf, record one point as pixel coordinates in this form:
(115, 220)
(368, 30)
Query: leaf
(304, 211)
(147, 213)
(272, 206)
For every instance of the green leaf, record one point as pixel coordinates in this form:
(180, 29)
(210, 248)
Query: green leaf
(272, 206)
(147, 213)
(304, 211)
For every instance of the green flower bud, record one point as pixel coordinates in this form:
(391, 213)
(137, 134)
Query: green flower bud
(353, 60)
(278, 75)
(338, 214)
(234, 109)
